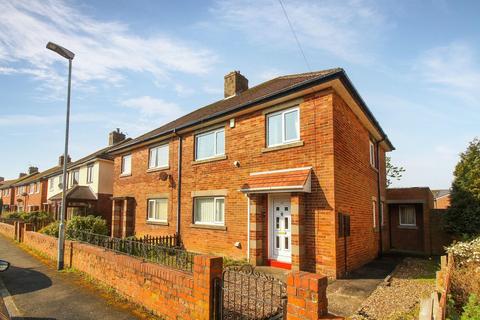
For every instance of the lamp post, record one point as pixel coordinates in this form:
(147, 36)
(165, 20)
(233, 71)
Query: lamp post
(67, 54)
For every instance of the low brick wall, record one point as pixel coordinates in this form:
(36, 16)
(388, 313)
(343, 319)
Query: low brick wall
(170, 293)
(7, 230)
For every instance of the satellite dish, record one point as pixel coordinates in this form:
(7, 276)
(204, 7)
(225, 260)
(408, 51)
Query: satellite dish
(163, 176)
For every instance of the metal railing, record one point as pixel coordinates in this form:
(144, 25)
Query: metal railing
(171, 241)
(168, 256)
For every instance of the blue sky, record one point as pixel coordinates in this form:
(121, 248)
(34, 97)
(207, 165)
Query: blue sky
(139, 64)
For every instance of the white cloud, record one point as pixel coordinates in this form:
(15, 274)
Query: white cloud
(149, 106)
(22, 120)
(345, 29)
(104, 49)
(452, 69)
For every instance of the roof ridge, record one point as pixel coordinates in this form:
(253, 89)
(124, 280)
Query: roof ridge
(311, 73)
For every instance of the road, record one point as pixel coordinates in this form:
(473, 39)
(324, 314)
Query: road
(33, 289)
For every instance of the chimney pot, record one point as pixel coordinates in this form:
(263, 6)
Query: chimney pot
(32, 170)
(235, 83)
(2, 179)
(115, 137)
(60, 160)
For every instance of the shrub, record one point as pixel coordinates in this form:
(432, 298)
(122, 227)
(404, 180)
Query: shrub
(78, 223)
(471, 311)
(90, 223)
(36, 217)
(13, 215)
(51, 229)
(466, 251)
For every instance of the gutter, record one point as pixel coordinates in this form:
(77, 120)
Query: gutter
(341, 75)
(379, 204)
(179, 186)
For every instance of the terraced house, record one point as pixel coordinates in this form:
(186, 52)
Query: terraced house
(288, 173)
(7, 192)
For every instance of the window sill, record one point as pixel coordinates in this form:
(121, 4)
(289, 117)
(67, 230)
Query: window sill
(158, 169)
(124, 175)
(224, 157)
(407, 227)
(157, 223)
(283, 146)
(208, 226)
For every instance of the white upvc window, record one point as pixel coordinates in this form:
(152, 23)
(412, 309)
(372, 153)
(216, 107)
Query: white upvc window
(283, 127)
(157, 210)
(126, 164)
(51, 184)
(209, 210)
(407, 216)
(374, 213)
(60, 181)
(382, 212)
(158, 157)
(37, 187)
(90, 173)
(31, 188)
(75, 177)
(373, 156)
(210, 144)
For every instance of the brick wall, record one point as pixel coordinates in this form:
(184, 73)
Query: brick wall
(443, 202)
(169, 293)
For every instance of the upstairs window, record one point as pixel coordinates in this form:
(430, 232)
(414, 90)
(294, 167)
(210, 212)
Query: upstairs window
(75, 177)
(209, 210)
(126, 165)
(90, 173)
(60, 181)
(51, 184)
(210, 144)
(31, 188)
(37, 187)
(283, 127)
(373, 156)
(407, 216)
(158, 157)
(157, 210)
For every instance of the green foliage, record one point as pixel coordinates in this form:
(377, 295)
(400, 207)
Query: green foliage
(463, 216)
(51, 229)
(14, 215)
(78, 223)
(90, 223)
(471, 311)
(393, 172)
(36, 216)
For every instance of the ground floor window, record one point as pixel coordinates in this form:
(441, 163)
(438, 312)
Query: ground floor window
(157, 210)
(209, 210)
(407, 216)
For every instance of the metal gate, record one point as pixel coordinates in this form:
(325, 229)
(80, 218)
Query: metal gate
(245, 294)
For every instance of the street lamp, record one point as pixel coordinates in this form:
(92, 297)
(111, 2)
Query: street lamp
(67, 54)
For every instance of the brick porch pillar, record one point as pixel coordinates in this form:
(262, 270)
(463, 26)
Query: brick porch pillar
(257, 229)
(297, 202)
(307, 296)
(115, 219)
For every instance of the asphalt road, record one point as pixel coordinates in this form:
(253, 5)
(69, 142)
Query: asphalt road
(35, 290)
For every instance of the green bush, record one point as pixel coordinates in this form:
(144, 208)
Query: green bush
(91, 224)
(471, 311)
(51, 229)
(13, 215)
(36, 217)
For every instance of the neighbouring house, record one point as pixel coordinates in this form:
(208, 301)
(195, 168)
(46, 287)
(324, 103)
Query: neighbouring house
(288, 173)
(441, 198)
(23, 189)
(416, 226)
(90, 183)
(7, 192)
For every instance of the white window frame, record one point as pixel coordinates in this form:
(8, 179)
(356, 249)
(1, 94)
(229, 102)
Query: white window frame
(38, 187)
(122, 169)
(90, 168)
(153, 213)
(31, 188)
(214, 222)
(373, 158)
(51, 184)
(382, 212)
(284, 132)
(72, 176)
(414, 216)
(157, 165)
(374, 211)
(215, 133)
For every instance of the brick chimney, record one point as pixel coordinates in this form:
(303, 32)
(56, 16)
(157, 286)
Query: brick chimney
(22, 174)
(32, 170)
(60, 160)
(115, 137)
(2, 179)
(235, 83)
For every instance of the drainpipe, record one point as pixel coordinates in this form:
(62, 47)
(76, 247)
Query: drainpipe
(179, 185)
(379, 204)
(248, 228)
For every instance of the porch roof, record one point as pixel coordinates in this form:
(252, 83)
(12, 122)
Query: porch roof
(286, 180)
(76, 193)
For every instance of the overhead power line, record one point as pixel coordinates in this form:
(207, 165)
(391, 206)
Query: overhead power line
(295, 35)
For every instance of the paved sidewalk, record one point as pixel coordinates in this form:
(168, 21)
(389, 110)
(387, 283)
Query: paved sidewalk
(40, 292)
(346, 295)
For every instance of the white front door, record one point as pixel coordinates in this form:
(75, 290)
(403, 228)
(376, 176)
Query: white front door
(281, 233)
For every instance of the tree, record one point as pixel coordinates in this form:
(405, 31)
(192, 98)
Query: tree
(463, 216)
(393, 172)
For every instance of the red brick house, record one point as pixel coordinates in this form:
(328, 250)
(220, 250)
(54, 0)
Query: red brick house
(7, 192)
(24, 189)
(288, 173)
(441, 198)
